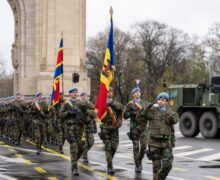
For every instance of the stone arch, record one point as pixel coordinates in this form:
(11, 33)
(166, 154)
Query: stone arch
(36, 39)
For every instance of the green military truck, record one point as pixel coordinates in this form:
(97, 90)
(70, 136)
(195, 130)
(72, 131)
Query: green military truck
(198, 106)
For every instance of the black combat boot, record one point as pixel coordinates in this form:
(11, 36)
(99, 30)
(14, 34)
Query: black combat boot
(110, 169)
(17, 143)
(38, 151)
(137, 169)
(75, 171)
(60, 149)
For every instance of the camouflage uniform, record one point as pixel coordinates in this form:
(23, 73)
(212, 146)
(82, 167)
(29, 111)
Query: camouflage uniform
(159, 139)
(110, 131)
(138, 131)
(89, 119)
(18, 119)
(59, 125)
(38, 112)
(71, 115)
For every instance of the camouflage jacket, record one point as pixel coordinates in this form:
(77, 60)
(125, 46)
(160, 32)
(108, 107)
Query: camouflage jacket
(113, 117)
(132, 111)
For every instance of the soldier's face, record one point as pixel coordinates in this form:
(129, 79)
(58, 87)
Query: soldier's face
(74, 94)
(61, 96)
(84, 98)
(162, 102)
(39, 97)
(110, 94)
(18, 97)
(137, 94)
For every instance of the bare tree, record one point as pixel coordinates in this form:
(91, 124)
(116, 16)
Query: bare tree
(163, 47)
(6, 80)
(127, 53)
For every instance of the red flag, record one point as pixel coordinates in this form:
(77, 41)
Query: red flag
(107, 76)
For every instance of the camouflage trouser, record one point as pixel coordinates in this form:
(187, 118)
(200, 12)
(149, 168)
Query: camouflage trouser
(39, 134)
(19, 128)
(61, 135)
(74, 134)
(139, 145)
(89, 142)
(162, 162)
(2, 123)
(49, 131)
(111, 140)
(59, 131)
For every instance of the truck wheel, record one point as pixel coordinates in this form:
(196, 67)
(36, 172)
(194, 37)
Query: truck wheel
(208, 125)
(188, 124)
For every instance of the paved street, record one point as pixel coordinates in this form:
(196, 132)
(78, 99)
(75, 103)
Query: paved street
(195, 158)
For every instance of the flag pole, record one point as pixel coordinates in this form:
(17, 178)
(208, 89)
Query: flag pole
(111, 11)
(63, 66)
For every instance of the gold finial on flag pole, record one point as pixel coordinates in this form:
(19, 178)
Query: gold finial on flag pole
(111, 11)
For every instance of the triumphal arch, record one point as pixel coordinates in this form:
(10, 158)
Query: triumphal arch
(38, 28)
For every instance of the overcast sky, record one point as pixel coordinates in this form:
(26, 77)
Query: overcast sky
(194, 17)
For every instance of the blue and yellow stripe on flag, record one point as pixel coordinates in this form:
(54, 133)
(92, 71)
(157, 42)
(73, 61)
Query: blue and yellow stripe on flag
(107, 75)
(55, 97)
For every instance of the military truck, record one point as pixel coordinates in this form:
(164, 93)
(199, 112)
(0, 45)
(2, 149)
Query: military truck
(198, 106)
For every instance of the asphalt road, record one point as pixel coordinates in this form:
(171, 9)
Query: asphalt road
(194, 158)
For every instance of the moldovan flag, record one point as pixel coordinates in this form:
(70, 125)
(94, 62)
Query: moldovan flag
(57, 75)
(107, 76)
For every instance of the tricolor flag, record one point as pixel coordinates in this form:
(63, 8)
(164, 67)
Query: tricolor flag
(57, 75)
(107, 76)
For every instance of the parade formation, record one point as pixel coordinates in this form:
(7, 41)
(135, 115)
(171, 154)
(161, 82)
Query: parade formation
(74, 119)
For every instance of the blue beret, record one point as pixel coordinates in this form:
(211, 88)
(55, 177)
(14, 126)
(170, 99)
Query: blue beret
(135, 90)
(17, 94)
(163, 95)
(73, 90)
(83, 94)
(38, 94)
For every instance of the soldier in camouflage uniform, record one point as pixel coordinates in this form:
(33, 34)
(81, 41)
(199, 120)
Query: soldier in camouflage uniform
(89, 118)
(70, 113)
(18, 116)
(160, 131)
(138, 128)
(110, 125)
(58, 124)
(38, 111)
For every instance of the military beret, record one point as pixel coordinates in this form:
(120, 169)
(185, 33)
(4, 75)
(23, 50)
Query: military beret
(163, 95)
(38, 94)
(83, 94)
(73, 90)
(135, 90)
(17, 94)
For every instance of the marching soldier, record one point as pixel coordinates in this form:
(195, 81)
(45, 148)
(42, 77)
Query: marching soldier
(18, 113)
(90, 127)
(38, 112)
(58, 124)
(70, 113)
(160, 131)
(110, 129)
(138, 129)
